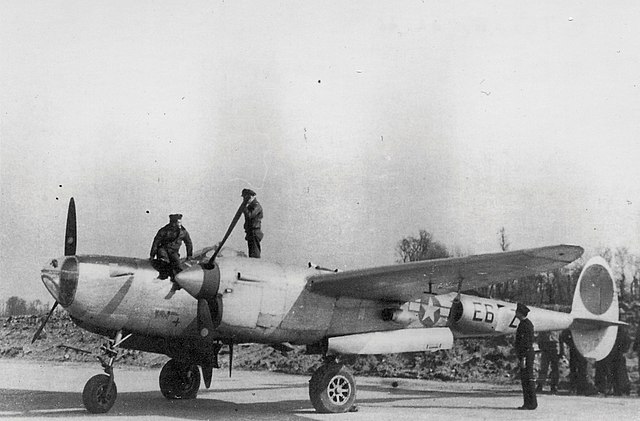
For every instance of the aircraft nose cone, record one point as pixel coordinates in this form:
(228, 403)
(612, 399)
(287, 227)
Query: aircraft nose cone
(50, 275)
(199, 282)
(60, 277)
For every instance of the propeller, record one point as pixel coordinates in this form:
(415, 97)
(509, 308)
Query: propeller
(70, 241)
(44, 322)
(205, 321)
(70, 238)
(234, 221)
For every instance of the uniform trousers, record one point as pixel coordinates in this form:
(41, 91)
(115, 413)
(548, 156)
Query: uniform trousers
(528, 381)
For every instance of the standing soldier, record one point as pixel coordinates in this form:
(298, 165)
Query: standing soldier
(578, 380)
(252, 223)
(619, 375)
(526, 356)
(167, 242)
(636, 348)
(603, 378)
(548, 342)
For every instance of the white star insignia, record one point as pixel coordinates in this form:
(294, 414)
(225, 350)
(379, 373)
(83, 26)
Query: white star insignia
(430, 312)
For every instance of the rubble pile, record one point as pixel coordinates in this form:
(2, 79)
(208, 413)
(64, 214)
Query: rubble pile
(60, 341)
(63, 341)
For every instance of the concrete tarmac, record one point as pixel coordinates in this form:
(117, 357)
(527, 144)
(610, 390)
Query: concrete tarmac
(38, 390)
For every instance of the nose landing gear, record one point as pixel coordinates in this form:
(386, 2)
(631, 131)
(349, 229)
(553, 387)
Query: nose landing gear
(99, 394)
(100, 391)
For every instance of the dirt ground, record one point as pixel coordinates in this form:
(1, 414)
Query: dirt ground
(37, 390)
(489, 360)
(45, 380)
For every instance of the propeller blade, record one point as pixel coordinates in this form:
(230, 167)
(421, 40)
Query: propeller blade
(231, 227)
(44, 322)
(207, 374)
(205, 323)
(70, 238)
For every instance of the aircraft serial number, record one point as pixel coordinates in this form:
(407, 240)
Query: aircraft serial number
(481, 314)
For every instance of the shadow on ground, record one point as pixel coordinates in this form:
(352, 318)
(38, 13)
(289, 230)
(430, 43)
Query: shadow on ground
(32, 403)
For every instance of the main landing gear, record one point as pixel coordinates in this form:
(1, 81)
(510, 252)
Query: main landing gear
(179, 380)
(100, 391)
(332, 388)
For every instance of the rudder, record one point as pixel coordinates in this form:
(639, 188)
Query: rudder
(595, 310)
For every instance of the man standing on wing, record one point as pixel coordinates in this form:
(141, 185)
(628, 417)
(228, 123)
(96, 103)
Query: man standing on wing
(252, 223)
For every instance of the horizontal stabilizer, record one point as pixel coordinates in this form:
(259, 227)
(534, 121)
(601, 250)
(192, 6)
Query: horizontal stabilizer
(592, 324)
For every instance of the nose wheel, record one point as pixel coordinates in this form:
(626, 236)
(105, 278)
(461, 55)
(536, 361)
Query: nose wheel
(100, 392)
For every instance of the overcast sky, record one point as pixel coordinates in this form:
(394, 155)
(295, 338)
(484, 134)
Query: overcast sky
(356, 123)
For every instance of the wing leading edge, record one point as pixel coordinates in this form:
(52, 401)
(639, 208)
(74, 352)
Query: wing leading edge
(407, 281)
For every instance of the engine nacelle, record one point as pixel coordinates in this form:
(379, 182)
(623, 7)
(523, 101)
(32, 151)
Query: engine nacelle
(475, 315)
(400, 315)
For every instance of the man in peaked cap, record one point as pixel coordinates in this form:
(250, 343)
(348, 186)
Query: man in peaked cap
(526, 355)
(252, 223)
(549, 345)
(167, 242)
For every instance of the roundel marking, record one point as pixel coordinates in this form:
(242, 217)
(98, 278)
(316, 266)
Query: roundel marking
(596, 289)
(429, 312)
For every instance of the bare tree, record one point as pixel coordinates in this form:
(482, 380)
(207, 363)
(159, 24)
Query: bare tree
(502, 239)
(424, 247)
(35, 307)
(16, 306)
(624, 265)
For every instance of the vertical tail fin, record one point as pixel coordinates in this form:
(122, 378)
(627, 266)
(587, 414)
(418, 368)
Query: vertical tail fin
(595, 310)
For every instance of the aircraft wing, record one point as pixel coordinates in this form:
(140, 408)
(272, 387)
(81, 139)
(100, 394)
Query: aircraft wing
(408, 281)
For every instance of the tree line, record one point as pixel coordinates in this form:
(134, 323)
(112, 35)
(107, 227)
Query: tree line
(16, 306)
(551, 289)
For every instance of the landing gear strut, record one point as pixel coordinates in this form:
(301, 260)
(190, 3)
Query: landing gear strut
(332, 388)
(100, 391)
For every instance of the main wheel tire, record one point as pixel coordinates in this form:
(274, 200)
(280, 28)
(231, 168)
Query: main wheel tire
(179, 380)
(332, 389)
(97, 396)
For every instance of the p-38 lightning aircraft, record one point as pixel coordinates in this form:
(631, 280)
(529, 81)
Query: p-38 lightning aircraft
(228, 299)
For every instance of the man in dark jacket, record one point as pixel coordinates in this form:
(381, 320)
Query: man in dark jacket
(578, 379)
(548, 342)
(619, 375)
(252, 223)
(526, 356)
(167, 242)
(636, 348)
